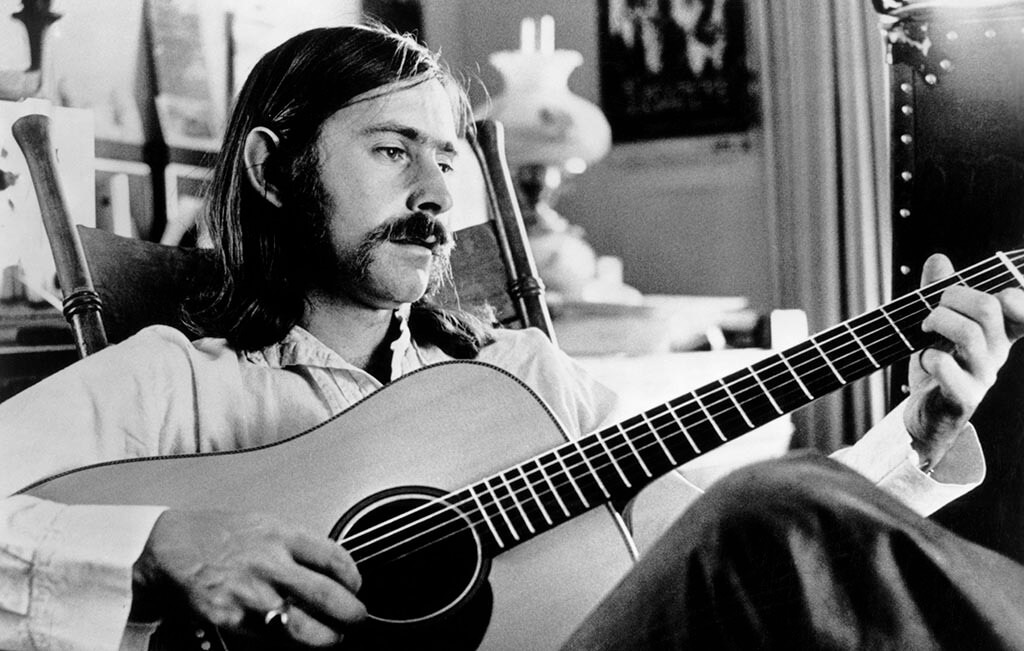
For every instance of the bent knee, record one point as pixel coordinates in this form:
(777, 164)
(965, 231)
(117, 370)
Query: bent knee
(797, 489)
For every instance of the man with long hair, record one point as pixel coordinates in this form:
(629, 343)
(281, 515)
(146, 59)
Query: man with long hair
(327, 217)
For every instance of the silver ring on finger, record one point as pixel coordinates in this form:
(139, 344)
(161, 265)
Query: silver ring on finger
(276, 619)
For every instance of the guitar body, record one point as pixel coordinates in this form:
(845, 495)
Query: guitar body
(444, 427)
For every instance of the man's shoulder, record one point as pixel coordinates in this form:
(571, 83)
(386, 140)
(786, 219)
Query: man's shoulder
(514, 349)
(157, 344)
(161, 335)
(527, 340)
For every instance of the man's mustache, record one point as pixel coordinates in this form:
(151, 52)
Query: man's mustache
(415, 228)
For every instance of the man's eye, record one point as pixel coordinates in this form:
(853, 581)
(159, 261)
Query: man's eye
(446, 168)
(394, 153)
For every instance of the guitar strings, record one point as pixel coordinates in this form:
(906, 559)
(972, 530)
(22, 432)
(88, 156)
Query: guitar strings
(516, 495)
(513, 494)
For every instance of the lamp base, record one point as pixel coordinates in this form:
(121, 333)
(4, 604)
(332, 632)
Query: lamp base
(565, 261)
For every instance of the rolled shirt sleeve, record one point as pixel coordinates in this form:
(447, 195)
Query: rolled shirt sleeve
(884, 455)
(66, 572)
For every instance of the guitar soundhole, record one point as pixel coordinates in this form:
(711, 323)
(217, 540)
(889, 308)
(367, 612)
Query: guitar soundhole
(419, 558)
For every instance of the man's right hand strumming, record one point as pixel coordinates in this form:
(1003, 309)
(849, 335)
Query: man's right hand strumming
(238, 570)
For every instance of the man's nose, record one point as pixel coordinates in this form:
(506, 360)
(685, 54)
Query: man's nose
(430, 192)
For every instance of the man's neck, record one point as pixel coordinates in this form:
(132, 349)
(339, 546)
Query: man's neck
(361, 335)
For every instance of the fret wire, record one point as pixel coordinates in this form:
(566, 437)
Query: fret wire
(768, 373)
(840, 346)
(600, 484)
(501, 510)
(689, 439)
(795, 376)
(908, 315)
(536, 498)
(554, 492)
(861, 344)
(487, 518)
(896, 328)
(706, 413)
(736, 402)
(615, 463)
(657, 437)
(636, 454)
(881, 335)
(853, 359)
(921, 296)
(873, 359)
(1014, 271)
(764, 389)
(798, 360)
(827, 361)
(568, 474)
(673, 433)
(518, 503)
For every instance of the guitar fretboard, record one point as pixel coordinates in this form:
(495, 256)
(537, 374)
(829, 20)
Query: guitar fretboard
(613, 464)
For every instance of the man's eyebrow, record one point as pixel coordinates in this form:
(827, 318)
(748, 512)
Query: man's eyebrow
(412, 133)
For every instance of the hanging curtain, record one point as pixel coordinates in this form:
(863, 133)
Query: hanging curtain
(824, 86)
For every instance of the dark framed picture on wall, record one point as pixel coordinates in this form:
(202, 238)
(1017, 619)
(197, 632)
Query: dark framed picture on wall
(674, 68)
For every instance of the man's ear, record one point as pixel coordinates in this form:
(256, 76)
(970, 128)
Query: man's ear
(260, 145)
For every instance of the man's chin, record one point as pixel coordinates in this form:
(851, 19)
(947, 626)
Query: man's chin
(412, 291)
(404, 280)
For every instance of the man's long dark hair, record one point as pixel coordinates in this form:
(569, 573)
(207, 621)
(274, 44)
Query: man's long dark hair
(263, 250)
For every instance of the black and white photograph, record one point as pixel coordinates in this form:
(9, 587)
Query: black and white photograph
(502, 325)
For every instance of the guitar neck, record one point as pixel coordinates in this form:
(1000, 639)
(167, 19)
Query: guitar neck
(612, 464)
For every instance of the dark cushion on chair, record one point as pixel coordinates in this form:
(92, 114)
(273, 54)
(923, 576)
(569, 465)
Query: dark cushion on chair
(142, 283)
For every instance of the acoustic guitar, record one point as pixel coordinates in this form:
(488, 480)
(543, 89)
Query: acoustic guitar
(474, 519)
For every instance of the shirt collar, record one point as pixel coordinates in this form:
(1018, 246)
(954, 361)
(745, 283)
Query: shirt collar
(300, 348)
